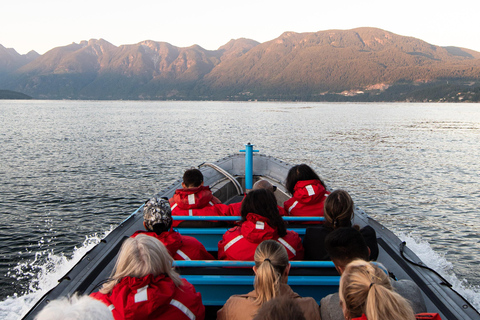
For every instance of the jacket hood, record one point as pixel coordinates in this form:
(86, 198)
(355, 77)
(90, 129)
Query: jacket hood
(171, 239)
(156, 291)
(309, 191)
(193, 198)
(256, 229)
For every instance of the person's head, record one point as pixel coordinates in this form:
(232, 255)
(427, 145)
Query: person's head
(338, 209)
(366, 289)
(75, 308)
(271, 269)
(139, 257)
(264, 184)
(157, 215)
(300, 172)
(192, 178)
(280, 308)
(264, 203)
(344, 245)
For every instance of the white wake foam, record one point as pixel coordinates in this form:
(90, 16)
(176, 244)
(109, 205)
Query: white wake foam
(43, 274)
(437, 262)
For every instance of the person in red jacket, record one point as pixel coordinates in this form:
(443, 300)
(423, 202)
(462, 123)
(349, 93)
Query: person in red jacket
(234, 208)
(195, 199)
(143, 285)
(308, 192)
(260, 221)
(158, 223)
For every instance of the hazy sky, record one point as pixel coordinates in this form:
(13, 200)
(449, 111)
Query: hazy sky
(41, 25)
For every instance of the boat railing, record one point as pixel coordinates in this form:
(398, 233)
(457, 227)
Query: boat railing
(236, 218)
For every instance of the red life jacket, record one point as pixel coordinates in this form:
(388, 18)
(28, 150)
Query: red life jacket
(193, 202)
(363, 317)
(240, 243)
(308, 199)
(180, 247)
(153, 298)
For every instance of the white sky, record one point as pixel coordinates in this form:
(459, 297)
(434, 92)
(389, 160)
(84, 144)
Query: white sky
(41, 25)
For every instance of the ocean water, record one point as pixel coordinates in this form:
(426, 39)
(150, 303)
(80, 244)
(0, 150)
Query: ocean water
(70, 171)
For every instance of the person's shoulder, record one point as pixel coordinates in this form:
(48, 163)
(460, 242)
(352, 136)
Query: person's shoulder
(330, 307)
(410, 291)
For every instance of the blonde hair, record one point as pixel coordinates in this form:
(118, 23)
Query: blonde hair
(139, 257)
(366, 289)
(271, 260)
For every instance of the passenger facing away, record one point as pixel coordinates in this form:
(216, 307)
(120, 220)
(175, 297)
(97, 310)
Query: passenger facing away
(194, 199)
(75, 308)
(308, 192)
(338, 213)
(158, 223)
(234, 208)
(281, 308)
(345, 245)
(366, 293)
(271, 277)
(143, 285)
(260, 221)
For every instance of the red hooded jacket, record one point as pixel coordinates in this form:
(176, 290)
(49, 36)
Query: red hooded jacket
(152, 298)
(180, 247)
(308, 199)
(194, 202)
(240, 243)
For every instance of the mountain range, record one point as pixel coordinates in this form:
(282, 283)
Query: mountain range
(363, 64)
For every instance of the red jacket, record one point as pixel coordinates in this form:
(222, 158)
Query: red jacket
(363, 317)
(180, 247)
(153, 298)
(234, 209)
(194, 202)
(240, 243)
(307, 200)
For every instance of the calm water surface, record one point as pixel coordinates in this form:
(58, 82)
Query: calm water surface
(73, 169)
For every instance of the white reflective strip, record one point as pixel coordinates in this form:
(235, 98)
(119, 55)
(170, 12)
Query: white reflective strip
(174, 206)
(287, 245)
(260, 225)
(232, 242)
(183, 308)
(111, 307)
(211, 203)
(310, 190)
(190, 212)
(293, 206)
(183, 255)
(191, 198)
(141, 294)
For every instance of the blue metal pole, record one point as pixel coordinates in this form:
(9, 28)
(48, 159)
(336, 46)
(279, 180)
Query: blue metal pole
(249, 165)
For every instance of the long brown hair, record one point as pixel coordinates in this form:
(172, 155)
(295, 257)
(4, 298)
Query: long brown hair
(271, 260)
(338, 209)
(264, 203)
(366, 289)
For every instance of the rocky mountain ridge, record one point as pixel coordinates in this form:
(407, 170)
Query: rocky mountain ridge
(357, 64)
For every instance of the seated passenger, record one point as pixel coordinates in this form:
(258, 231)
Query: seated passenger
(307, 190)
(144, 285)
(234, 208)
(195, 199)
(338, 212)
(365, 293)
(345, 245)
(75, 308)
(260, 221)
(271, 276)
(158, 223)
